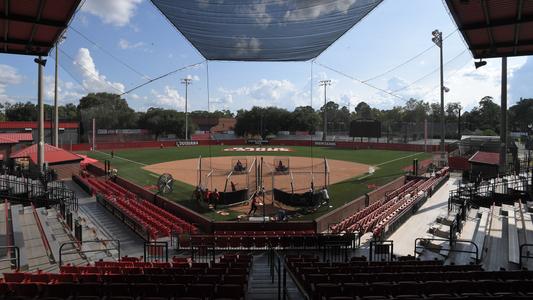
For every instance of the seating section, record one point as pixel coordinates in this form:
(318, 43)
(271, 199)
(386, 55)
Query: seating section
(406, 280)
(377, 216)
(153, 219)
(265, 239)
(130, 279)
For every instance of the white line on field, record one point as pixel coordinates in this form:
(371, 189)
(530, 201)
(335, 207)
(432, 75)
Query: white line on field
(387, 162)
(393, 160)
(115, 156)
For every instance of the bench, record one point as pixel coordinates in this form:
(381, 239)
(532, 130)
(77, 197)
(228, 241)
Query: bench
(479, 237)
(514, 252)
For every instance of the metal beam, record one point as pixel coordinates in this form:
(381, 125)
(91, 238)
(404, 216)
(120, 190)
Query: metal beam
(501, 45)
(517, 25)
(34, 26)
(494, 24)
(30, 20)
(487, 20)
(25, 43)
(6, 22)
(42, 52)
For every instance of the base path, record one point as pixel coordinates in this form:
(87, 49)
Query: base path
(187, 171)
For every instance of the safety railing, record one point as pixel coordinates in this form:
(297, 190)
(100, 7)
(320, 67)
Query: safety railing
(451, 243)
(13, 256)
(278, 271)
(155, 251)
(46, 244)
(109, 246)
(522, 256)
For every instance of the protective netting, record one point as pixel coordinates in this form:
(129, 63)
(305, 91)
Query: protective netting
(264, 30)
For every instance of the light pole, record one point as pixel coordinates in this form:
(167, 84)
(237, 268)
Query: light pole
(55, 134)
(437, 39)
(325, 84)
(186, 82)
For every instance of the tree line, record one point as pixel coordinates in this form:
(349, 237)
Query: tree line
(113, 112)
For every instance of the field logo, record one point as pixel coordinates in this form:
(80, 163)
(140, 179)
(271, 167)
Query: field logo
(257, 149)
(186, 143)
(327, 144)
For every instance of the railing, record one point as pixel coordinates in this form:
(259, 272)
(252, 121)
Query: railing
(381, 249)
(81, 252)
(450, 243)
(155, 251)
(46, 244)
(13, 259)
(279, 269)
(524, 256)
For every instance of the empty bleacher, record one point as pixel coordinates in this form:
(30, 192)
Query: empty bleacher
(388, 211)
(152, 222)
(131, 278)
(359, 279)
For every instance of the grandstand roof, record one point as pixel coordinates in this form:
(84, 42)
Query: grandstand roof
(52, 155)
(34, 125)
(33, 27)
(15, 138)
(263, 30)
(495, 28)
(488, 158)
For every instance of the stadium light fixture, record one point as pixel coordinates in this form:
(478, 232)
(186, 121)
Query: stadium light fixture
(325, 84)
(437, 39)
(480, 63)
(186, 81)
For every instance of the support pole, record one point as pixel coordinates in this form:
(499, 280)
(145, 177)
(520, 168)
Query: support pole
(56, 108)
(94, 134)
(503, 120)
(442, 116)
(40, 91)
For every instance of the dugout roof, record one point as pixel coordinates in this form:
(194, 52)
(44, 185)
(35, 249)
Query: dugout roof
(495, 28)
(263, 30)
(32, 27)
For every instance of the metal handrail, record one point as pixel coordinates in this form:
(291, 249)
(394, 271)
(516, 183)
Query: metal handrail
(46, 244)
(451, 243)
(273, 257)
(10, 259)
(522, 246)
(80, 251)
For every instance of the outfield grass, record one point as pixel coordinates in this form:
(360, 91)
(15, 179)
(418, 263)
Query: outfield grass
(129, 164)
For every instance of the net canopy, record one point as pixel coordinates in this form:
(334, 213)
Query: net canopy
(264, 30)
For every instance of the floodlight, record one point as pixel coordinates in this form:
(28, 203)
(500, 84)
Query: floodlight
(480, 63)
(445, 89)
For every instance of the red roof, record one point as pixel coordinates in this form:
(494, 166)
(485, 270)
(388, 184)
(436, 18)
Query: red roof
(52, 155)
(495, 28)
(33, 125)
(489, 158)
(15, 138)
(32, 27)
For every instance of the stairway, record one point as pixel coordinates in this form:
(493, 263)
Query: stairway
(260, 286)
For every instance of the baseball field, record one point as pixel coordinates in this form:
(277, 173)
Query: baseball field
(348, 176)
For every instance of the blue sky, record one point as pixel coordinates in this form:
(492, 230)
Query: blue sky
(132, 34)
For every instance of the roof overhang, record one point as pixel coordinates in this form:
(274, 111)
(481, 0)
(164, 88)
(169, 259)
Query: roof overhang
(495, 28)
(32, 27)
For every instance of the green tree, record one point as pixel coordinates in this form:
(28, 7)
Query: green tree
(21, 112)
(363, 111)
(521, 115)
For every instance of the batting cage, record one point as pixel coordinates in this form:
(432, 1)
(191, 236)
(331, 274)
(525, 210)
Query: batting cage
(234, 179)
(299, 185)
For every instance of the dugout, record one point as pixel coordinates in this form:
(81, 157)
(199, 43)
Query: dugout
(484, 165)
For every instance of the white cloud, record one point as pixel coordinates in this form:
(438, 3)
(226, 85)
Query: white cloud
(115, 12)
(92, 79)
(8, 75)
(67, 91)
(303, 11)
(246, 45)
(467, 84)
(170, 98)
(125, 44)
(193, 77)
